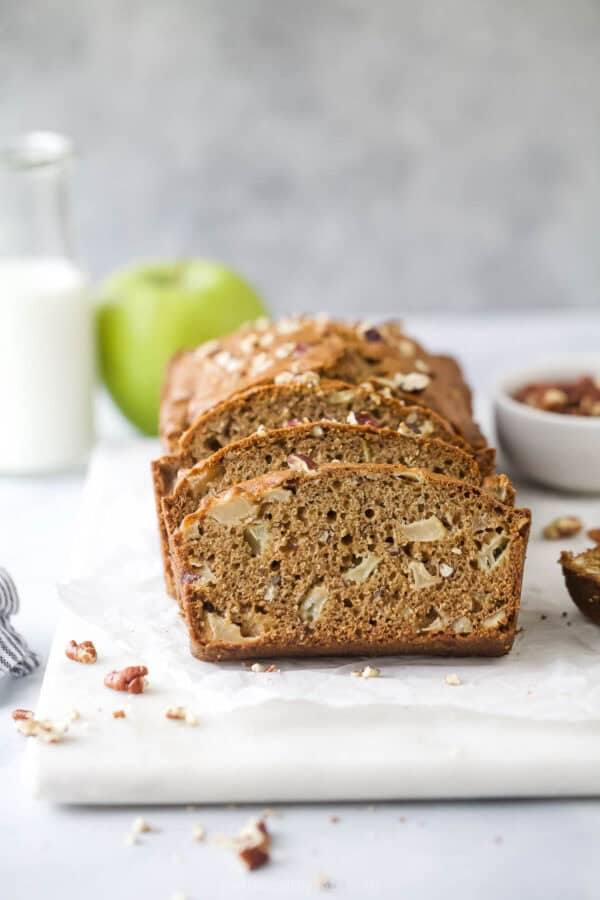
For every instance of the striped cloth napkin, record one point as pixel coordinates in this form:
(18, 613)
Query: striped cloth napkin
(15, 656)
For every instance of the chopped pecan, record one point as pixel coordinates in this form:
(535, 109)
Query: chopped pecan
(562, 527)
(300, 462)
(362, 418)
(254, 843)
(572, 398)
(594, 535)
(20, 714)
(119, 714)
(372, 335)
(131, 679)
(43, 729)
(85, 652)
(413, 382)
(254, 857)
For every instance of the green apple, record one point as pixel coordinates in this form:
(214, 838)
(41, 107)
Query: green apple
(147, 313)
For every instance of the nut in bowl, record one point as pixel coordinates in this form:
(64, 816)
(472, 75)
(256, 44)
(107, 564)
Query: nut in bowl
(555, 443)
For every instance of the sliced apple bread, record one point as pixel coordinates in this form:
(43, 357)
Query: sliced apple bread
(305, 446)
(351, 559)
(198, 379)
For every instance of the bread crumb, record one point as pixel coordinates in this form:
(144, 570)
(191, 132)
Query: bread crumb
(453, 679)
(198, 833)
(324, 883)
(334, 819)
(181, 714)
(367, 672)
(130, 839)
(140, 826)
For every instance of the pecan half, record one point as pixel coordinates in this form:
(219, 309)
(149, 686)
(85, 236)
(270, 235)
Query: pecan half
(85, 652)
(130, 679)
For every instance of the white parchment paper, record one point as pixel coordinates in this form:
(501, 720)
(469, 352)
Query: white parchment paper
(115, 581)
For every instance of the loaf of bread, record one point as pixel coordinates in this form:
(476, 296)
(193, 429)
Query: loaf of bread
(351, 559)
(327, 490)
(304, 446)
(582, 577)
(383, 357)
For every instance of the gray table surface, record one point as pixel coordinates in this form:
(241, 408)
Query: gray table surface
(544, 849)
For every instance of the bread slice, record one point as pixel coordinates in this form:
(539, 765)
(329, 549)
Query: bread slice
(196, 380)
(279, 405)
(305, 446)
(351, 559)
(582, 577)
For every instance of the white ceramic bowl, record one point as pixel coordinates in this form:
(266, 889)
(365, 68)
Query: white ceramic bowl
(553, 449)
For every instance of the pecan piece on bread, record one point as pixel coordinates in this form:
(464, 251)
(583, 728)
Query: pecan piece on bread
(131, 679)
(85, 652)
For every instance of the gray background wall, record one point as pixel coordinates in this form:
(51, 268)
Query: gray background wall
(350, 155)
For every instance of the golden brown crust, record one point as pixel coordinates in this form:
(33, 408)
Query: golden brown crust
(450, 647)
(197, 380)
(582, 578)
(209, 586)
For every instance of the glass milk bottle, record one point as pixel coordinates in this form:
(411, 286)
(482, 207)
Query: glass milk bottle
(46, 326)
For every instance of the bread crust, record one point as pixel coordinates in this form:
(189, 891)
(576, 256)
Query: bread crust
(449, 647)
(195, 383)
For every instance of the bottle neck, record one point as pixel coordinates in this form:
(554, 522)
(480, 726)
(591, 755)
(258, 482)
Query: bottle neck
(34, 215)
